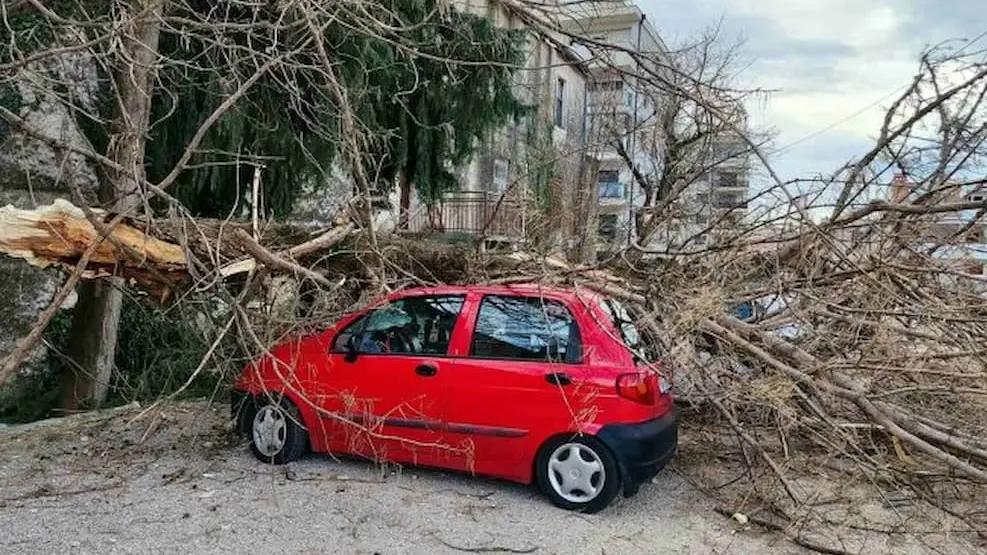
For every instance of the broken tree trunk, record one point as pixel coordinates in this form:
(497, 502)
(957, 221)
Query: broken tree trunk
(59, 234)
(153, 258)
(97, 316)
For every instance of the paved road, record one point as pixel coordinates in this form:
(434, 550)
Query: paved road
(183, 490)
(235, 505)
(177, 484)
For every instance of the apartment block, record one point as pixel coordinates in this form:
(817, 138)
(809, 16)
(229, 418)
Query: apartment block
(622, 109)
(599, 117)
(495, 185)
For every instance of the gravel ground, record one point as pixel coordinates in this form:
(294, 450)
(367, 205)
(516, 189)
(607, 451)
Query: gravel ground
(96, 487)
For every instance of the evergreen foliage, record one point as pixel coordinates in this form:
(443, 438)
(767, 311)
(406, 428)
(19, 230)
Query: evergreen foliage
(424, 92)
(424, 95)
(443, 99)
(157, 352)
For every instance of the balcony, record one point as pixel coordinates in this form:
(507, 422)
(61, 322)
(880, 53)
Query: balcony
(480, 213)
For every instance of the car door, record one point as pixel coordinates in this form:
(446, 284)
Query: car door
(519, 378)
(382, 366)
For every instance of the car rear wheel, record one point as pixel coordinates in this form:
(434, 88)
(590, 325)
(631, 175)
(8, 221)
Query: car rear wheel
(276, 432)
(578, 473)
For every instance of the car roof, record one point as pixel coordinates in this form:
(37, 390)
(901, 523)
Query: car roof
(568, 292)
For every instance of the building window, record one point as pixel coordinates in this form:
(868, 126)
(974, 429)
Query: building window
(629, 98)
(731, 200)
(598, 86)
(609, 184)
(727, 179)
(559, 102)
(608, 227)
(625, 122)
(727, 149)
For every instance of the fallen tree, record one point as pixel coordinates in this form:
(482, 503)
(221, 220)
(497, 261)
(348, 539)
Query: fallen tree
(863, 351)
(838, 389)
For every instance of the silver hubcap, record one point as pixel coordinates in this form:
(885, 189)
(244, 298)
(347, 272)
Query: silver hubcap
(576, 473)
(269, 430)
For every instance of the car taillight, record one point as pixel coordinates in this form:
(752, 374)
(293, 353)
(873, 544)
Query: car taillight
(640, 388)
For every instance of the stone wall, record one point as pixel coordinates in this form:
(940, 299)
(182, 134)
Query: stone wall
(31, 175)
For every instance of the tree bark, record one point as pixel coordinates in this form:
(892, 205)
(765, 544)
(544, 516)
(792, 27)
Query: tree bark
(405, 207)
(97, 315)
(93, 340)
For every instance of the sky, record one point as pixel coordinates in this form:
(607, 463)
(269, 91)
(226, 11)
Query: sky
(833, 65)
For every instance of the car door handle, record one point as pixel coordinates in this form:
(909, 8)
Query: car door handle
(426, 370)
(558, 378)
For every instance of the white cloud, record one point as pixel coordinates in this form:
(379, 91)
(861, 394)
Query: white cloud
(852, 22)
(852, 98)
(833, 63)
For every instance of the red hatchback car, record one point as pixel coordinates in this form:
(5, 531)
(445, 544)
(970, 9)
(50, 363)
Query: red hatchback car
(525, 383)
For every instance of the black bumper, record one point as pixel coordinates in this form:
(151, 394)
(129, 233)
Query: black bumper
(642, 449)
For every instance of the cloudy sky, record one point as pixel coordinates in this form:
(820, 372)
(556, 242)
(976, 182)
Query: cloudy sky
(834, 63)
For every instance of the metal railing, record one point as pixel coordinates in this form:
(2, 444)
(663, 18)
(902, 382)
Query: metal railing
(480, 213)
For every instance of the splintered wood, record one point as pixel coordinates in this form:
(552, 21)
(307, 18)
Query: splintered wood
(59, 234)
(154, 257)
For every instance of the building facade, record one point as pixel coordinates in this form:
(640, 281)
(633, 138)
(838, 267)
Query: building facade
(502, 185)
(622, 108)
(626, 101)
(595, 117)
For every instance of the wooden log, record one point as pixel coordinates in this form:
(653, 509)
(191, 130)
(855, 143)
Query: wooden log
(59, 233)
(153, 255)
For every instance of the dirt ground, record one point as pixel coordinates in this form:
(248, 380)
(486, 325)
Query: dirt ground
(175, 481)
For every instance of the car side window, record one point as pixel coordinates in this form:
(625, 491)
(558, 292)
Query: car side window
(525, 328)
(412, 325)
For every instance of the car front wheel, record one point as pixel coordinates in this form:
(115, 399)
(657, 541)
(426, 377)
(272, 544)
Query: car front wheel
(578, 473)
(277, 435)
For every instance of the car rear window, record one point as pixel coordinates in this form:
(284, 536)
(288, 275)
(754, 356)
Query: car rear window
(621, 320)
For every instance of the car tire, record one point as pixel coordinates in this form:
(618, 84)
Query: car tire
(587, 483)
(277, 435)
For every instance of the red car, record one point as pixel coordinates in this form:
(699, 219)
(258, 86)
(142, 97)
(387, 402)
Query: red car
(524, 383)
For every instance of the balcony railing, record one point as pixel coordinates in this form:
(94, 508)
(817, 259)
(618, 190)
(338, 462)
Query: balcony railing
(729, 201)
(481, 213)
(730, 184)
(725, 205)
